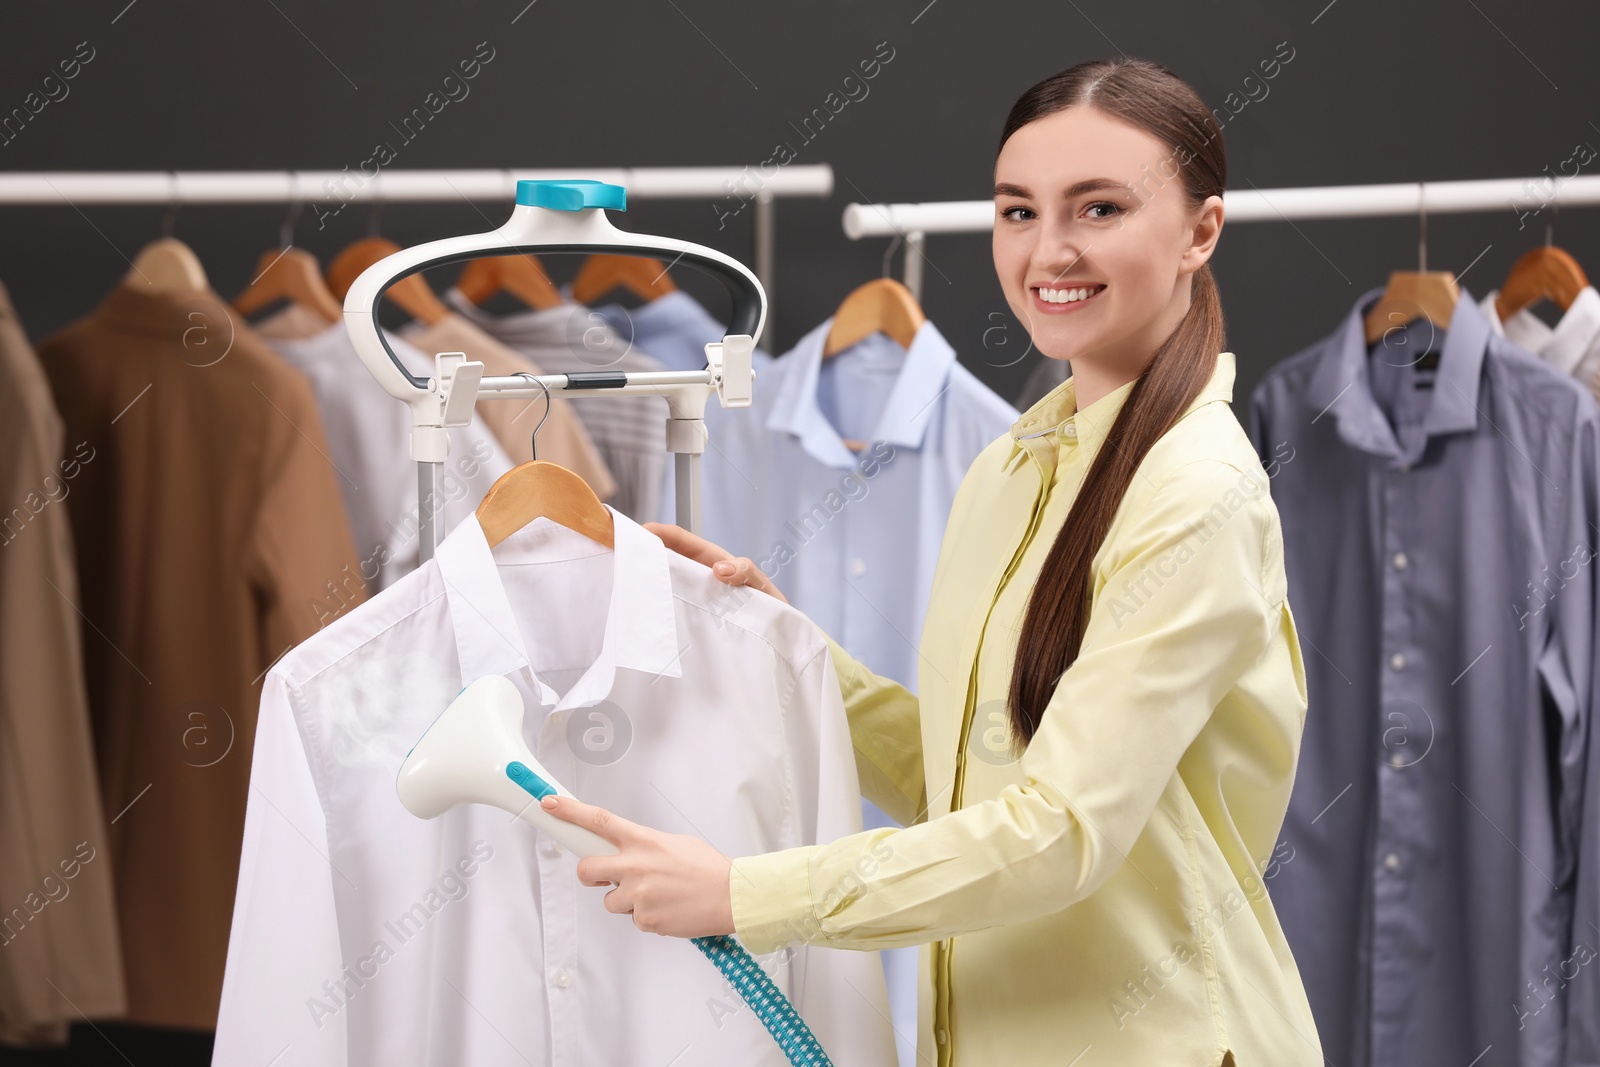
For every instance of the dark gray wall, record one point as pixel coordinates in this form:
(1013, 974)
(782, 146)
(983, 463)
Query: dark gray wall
(1376, 91)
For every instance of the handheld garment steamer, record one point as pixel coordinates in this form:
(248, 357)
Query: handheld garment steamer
(474, 754)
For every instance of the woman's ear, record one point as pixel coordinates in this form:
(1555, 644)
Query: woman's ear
(1203, 237)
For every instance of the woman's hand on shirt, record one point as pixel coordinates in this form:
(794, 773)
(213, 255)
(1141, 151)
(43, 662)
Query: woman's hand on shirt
(731, 569)
(672, 884)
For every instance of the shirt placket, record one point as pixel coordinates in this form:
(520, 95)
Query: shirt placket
(558, 885)
(1045, 450)
(1405, 731)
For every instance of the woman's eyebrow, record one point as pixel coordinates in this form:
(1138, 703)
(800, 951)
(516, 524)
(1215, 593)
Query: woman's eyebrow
(1088, 185)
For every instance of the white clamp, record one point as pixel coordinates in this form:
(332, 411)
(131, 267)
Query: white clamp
(452, 392)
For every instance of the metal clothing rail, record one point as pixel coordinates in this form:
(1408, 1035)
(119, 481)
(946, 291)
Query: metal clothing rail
(1522, 196)
(730, 188)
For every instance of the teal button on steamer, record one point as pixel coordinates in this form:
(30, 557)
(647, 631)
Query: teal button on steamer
(474, 754)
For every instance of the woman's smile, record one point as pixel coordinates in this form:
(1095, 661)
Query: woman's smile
(1062, 299)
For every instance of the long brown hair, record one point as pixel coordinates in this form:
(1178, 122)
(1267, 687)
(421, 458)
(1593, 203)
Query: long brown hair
(1152, 98)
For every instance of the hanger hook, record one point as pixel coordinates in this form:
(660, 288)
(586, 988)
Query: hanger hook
(1550, 223)
(1422, 227)
(174, 202)
(286, 227)
(533, 442)
(888, 255)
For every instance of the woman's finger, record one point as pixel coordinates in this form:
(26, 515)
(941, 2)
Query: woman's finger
(743, 571)
(730, 569)
(614, 828)
(688, 544)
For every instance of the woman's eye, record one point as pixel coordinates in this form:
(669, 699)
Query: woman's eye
(1017, 214)
(1110, 209)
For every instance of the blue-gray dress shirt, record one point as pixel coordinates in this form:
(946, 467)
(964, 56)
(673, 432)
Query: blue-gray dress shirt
(1439, 536)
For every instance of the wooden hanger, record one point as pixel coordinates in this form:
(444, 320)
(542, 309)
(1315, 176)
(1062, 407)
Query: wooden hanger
(289, 274)
(521, 276)
(411, 294)
(1415, 294)
(882, 305)
(1544, 273)
(645, 278)
(539, 488)
(1412, 295)
(168, 263)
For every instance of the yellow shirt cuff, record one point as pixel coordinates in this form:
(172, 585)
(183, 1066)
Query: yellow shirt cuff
(771, 896)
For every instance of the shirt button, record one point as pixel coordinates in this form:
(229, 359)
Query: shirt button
(1398, 661)
(1069, 429)
(1400, 561)
(941, 1035)
(1396, 760)
(552, 848)
(1391, 862)
(563, 979)
(858, 567)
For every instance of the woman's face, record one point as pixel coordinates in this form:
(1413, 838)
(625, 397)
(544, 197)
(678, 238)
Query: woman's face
(1086, 202)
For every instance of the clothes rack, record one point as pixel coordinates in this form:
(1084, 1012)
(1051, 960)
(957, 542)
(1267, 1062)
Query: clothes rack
(446, 399)
(1524, 197)
(731, 187)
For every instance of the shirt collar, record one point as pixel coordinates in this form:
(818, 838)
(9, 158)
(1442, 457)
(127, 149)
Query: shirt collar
(1342, 383)
(910, 408)
(1563, 347)
(1053, 412)
(640, 628)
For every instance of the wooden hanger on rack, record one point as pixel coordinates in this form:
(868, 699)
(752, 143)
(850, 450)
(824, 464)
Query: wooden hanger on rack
(1415, 294)
(1412, 295)
(882, 305)
(521, 276)
(541, 489)
(411, 294)
(600, 274)
(289, 274)
(1544, 273)
(167, 263)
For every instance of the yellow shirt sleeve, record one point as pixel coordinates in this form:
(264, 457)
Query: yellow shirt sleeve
(886, 732)
(1144, 685)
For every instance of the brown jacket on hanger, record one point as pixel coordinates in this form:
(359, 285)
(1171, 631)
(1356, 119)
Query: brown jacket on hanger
(59, 950)
(211, 538)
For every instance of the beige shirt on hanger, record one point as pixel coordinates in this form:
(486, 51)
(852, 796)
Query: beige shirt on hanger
(211, 538)
(59, 948)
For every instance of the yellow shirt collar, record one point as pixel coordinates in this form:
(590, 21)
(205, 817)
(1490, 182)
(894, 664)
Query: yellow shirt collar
(1057, 408)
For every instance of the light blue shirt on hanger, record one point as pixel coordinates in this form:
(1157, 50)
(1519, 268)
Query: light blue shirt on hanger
(851, 538)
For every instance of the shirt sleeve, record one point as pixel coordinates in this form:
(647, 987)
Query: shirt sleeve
(886, 732)
(306, 564)
(284, 942)
(1142, 687)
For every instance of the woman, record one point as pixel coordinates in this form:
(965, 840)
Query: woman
(1093, 779)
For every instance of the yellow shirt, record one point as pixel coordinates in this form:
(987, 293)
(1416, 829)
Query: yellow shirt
(1104, 899)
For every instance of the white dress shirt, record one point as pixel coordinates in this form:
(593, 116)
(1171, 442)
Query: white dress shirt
(1572, 347)
(363, 935)
(369, 440)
